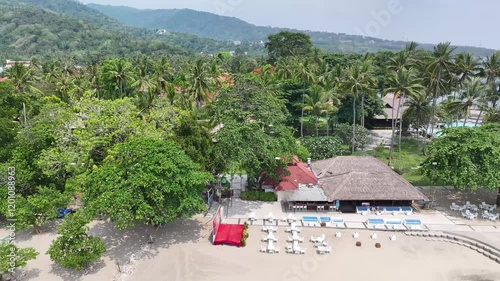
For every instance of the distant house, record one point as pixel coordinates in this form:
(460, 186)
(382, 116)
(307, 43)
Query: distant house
(11, 63)
(161, 31)
(391, 106)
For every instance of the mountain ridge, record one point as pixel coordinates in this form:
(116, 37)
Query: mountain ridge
(210, 25)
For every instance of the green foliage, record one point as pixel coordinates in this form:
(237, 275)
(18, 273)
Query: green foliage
(467, 158)
(258, 196)
(10, 117)
(196, 141)
(37, 209)
(146, 180)
(28, 31)
(75, 249)
(254, 131)
(323, 147)
(22, 256)
(374, 105)
(303, 153)
(287, 44)
(362, 137)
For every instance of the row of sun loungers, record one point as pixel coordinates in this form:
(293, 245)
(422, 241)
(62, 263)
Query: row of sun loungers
(412, 224)
(365, 210)
(471, 211)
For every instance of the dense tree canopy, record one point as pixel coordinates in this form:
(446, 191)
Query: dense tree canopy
(147, 180)
(466, 158)
(288, 44)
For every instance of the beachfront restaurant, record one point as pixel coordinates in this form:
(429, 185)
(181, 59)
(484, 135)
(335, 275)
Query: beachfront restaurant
(364, 182)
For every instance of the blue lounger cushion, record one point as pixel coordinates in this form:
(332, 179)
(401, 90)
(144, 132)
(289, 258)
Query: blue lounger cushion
(324, 219)
(406, 209)
(392, 209)
(413, 221)
(375, 221)
(338, 220)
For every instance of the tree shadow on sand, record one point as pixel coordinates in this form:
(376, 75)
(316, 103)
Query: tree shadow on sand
(141, 242)
(72, 274)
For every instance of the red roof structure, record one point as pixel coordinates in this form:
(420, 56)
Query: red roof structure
(298, 173)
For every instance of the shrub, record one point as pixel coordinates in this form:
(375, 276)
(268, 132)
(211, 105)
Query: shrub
(245, 225)
(362, 136)
(358, 244)
(8, 265)
(243, 242)
(258, 196)
(303, 153)
(377, 245)
(323, 147)
(74, 248)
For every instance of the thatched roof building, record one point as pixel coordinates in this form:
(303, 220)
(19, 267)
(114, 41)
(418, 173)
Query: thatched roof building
(350, 178)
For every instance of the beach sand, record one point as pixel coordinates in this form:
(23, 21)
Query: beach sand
(407, 258)
(182, 251)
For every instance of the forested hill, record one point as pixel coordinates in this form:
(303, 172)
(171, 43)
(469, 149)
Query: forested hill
(27, 31)
(129, 40)
(228, 28)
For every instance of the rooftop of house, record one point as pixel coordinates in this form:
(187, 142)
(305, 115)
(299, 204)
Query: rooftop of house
(297, 173)
(362, 178)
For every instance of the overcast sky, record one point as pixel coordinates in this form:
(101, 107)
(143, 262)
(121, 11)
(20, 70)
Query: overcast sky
(463, 22)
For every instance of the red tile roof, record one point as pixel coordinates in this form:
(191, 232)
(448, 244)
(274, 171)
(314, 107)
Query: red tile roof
(298, 173)
(4, 79)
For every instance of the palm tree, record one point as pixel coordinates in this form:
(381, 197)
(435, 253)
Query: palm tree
(418, 109)
(491, 71)
(404, 82)
(285, 68)
(200, 80)
(319, 103)
(369, 76)
(22, 77)
(474, 90)
(304, 71)
(354, 83)
(467, 67)
(440, 69)
(119, 71)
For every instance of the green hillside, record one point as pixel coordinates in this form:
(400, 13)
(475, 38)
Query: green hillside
(227, 28)
(30, 31)
(109, 26)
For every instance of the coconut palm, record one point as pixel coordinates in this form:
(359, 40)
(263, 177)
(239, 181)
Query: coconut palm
(403, 83)
(200, 82)
(319, 103)
(304, 72)
(23, 78)
(440, 69)
(473, 91)
(285, 68)
(355, 82)
(466, 67)
(418, 109)
(491, 71)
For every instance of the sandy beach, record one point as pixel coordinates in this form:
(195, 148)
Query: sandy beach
(182, 251)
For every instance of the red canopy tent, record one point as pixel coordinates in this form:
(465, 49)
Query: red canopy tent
(229, 234)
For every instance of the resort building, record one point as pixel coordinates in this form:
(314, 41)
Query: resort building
(344, 183)
(392, 111)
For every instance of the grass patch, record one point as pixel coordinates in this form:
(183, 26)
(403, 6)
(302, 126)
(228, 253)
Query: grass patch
(405, 163)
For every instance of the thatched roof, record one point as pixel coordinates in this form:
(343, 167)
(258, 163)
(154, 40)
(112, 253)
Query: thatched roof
(362, 178)
(391, 108)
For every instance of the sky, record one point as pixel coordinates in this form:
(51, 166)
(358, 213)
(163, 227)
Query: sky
(462, 22)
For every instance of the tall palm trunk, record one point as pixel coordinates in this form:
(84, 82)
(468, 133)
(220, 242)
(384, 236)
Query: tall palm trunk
(302, 116)
(393, 125)
(479, 116)
(401, 98)
(434, 102)
(353, 123)
(362, 110)
(316, 125)
(466, 115)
